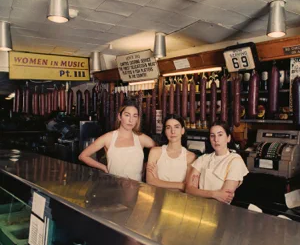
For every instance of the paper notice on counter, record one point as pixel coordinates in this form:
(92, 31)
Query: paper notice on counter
(38, 205)
(292, 199)
(36, 231)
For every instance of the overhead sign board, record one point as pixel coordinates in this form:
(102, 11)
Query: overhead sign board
(241, 57)
(48, 67)
(137, 66)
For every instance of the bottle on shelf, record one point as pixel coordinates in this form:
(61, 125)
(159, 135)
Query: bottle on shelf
(246, 79)
(264, 81)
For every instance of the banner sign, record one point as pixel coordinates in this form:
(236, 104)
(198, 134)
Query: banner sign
(48, 67)
(137, 66)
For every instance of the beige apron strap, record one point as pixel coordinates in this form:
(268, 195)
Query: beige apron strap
(228, 167)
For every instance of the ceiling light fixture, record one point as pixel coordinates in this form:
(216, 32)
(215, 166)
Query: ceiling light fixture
(276, 23)
(5, 36)
(58, 11)
(95, 62)
(192, 71)
(160, 45)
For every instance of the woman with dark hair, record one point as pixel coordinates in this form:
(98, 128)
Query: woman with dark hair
(123, 146)
(168, 165)
(217, 175)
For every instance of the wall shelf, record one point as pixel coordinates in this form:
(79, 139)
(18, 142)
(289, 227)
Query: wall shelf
(266, 121)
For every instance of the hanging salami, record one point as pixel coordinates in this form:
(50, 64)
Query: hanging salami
(224, 100)
(192, 105)
(184, 98)
(171, 99)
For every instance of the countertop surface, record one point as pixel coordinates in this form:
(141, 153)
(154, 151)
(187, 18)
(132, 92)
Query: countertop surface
(148, 214)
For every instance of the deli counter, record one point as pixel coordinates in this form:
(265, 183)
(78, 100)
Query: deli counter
(87, 206)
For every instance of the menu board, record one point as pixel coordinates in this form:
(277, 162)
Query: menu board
(137, 66)
(294, 72)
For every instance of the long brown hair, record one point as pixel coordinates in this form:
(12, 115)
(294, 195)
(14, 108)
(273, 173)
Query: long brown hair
(137, 127)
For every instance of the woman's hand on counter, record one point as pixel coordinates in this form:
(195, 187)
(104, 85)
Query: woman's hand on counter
(223, 195)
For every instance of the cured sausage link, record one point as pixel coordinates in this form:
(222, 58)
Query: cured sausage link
(296, 100)
(237, 101)
(273, 91)
(224, 100)
(213, 102)
(184, 98)
(253, 95)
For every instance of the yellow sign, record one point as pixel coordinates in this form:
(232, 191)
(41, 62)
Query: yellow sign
(48, 67)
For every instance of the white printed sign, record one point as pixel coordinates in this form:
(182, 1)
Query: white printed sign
(294, 72)
(181, 64)
(239, 59)
(137, 66)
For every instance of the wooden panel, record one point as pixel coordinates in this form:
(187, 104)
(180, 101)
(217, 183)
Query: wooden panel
(197, 61)
(273, 50)
(269, 50)
(108, 75)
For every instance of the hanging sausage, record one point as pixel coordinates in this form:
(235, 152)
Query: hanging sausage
(94, 98)
(237, 101)
(49, 102)
(70, 96)
(192, 105)
(164, 102)
(148, 113)
(117, 99)
(86, 102)
(140, 103)
(62, 98)
(35, 104)
(224, 100)
(26, 99)
(253, 95)
(213, 102)
(184, 98)
(111, 111)
(42, 102)
(203, 102)
(153, 111)
(273, 91)
(17, 100)
(171, 99)
(296, 100)
(55, 98)
(78, 103)
(177, 98)
(121, 98)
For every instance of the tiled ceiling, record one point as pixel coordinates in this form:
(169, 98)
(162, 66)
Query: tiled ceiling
(129, 25)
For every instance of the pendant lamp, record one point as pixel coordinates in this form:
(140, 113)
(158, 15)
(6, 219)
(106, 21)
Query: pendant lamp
(276, 24)
(58, 11)
(160, 45)
(5, 36)
(95, 62)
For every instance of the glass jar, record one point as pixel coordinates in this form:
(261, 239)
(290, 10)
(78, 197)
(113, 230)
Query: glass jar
(262, 108)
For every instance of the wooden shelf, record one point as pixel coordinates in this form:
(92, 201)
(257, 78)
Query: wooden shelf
(196, 130)
(266, 121)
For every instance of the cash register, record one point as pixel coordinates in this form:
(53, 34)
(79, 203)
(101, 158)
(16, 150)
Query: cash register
(274, 169)
(275, 152)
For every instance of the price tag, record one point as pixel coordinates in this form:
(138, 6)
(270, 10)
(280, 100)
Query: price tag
(239, 59)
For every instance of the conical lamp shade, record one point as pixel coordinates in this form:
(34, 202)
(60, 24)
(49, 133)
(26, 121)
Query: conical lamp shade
(5, 36)
(276, 24)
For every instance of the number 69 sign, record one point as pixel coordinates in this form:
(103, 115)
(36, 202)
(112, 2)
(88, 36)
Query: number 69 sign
(239, 58)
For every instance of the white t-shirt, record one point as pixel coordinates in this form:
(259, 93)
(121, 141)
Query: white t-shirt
(214, 170)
